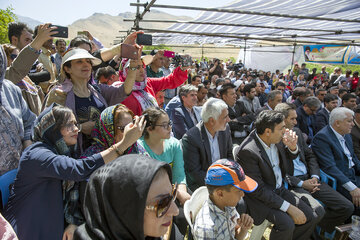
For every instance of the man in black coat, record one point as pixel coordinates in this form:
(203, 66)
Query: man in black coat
(322, 116)
(306, 117)
(207, 142)
(240, 117)
(263, 162)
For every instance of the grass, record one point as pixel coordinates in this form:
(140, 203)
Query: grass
(330, 67)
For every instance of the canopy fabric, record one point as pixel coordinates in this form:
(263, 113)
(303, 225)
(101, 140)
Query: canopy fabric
(339, 9)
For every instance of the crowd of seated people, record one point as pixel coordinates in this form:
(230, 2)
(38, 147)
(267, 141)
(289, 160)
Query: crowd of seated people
(256, 139)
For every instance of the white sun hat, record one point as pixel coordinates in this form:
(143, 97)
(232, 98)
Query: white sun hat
(79, 53)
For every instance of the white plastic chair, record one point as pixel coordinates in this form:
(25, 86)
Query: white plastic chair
(235, 151)
(258, 231)
(193, 206)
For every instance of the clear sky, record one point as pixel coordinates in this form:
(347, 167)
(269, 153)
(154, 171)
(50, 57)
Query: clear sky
(65, 12)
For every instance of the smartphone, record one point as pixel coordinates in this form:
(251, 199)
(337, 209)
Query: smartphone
(144, 39)
(129, 51)
(169, 54)
(63, 32)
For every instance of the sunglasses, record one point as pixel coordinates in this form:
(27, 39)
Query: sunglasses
(163, 205)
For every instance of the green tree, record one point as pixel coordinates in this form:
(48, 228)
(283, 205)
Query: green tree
(6, 16)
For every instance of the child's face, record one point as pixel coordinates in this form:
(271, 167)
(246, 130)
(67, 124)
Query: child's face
(232, 197)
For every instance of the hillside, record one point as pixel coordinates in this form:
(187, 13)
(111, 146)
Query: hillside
(106, 27)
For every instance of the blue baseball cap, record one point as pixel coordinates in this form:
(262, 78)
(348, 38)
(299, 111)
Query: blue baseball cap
(225, 172)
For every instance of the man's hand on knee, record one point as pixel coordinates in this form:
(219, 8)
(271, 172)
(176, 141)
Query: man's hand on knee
(296, 214)
(355, 194)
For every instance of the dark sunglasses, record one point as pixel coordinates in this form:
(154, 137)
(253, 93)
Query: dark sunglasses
(13, 56)
(163, 205)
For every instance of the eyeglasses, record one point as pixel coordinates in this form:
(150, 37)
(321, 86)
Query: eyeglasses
(72, 126)
(163, 205)
(165, 125)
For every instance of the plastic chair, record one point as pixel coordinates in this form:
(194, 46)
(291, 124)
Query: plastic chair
(258, 231)
(325, 178)
(193, 206)
(332, 182)
(235, 151)
(5, 183)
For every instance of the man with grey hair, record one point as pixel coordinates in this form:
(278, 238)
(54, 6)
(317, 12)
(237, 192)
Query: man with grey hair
(306, 116)
(303, 175)
(333, 148)
(208, 141)
(187, 115)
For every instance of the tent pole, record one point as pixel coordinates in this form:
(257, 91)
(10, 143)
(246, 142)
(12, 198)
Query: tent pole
(241, 37)
(226, 10)
(293, 55)
(242, 25)
(244, 53)
(139, 17)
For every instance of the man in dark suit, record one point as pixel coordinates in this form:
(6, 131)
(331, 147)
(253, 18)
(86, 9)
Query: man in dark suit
(263, 162)
(302, 93)
(333, 148)
(320, 94)
(303, 175)
(306, 117)
(322, 116)
(187, 115)
(274, 98)
(355, 132)
(240, 117)
(207, 142)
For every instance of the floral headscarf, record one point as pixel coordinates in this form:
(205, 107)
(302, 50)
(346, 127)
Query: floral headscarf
(145, 99)
(103, 134)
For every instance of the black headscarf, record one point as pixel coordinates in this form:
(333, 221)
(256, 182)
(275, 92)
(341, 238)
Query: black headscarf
(115, 198)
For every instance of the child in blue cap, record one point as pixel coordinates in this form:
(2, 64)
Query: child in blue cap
(218, 218)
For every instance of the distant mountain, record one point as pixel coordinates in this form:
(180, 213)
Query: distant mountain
(32, 23)
(106, 27)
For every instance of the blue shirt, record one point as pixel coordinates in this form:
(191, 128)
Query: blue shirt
(214, 146)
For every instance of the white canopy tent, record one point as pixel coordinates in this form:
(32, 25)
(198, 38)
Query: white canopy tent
(252, 23)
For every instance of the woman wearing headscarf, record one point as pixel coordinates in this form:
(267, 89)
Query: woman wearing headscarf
(35, 208)
(144, 90)
(16, 121)
(130, 198)
(109, 130)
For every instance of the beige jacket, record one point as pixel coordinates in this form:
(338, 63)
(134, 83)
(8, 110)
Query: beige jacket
(17, 73)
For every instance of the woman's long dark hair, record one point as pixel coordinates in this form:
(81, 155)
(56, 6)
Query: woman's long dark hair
(62, 115)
